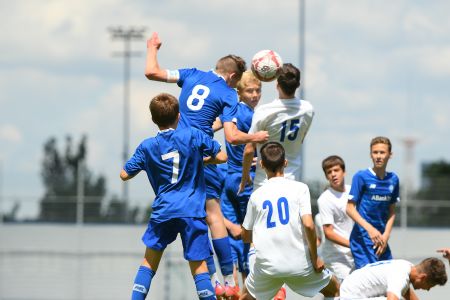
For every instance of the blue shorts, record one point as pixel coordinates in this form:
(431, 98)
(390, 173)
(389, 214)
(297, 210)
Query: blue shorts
(193, 232)
(363, 252)
(214, 182)
(239, 252)
(238, 202)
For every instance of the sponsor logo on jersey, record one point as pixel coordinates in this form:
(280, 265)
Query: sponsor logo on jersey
(381, 198)
(372, 186)
(204, 293)
(139, 288)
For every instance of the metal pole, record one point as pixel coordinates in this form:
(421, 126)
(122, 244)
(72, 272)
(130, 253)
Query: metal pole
(1, 192)
(126, 36)
(80, 192)
(302, 69)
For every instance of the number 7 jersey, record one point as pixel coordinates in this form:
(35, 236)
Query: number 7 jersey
(287, 121)
(274, 214)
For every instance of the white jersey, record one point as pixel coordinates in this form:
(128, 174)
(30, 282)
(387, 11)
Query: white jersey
(332, 208)
(375, 280)
(287, 122)
(274, 215)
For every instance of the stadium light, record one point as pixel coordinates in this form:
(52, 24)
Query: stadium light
(126, 35)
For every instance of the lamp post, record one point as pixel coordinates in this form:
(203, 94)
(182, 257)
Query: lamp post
(126, 35)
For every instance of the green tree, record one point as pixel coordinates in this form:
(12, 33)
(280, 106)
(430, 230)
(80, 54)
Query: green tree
(60, 177)
(435, 186)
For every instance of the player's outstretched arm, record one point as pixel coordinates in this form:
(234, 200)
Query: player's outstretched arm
(249, 152)
(125, 176)
(310, 233)
(374, 234)
(330, 234)
(152, 69)
(236, 137)
(220, 158)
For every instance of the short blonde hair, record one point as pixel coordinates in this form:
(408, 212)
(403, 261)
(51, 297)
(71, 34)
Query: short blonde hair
(381, 140)
(246, 79)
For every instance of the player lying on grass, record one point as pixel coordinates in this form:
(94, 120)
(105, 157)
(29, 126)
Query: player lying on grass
(393, 279)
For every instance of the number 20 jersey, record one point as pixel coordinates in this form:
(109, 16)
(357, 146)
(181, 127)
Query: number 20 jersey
(274, 214)
(204, 96)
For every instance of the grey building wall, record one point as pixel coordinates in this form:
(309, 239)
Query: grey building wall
(67, 262)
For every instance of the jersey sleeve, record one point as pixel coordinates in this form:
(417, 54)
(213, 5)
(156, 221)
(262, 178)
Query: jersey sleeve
(398, 281)
(137, 162)
(326, 209)
(305, 201)
(249, 219)
(230, 106)
(356, 190)
(206, 144)
(183, 74)
(396, 192)
(256, 121)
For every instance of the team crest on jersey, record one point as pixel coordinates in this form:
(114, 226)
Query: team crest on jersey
(391, 188)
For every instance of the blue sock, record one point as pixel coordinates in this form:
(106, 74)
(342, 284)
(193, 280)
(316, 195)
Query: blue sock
(142, 282)
(211, 265)
(223, 251)
(204, 287)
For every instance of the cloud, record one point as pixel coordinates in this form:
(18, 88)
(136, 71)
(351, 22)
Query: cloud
(10, 134)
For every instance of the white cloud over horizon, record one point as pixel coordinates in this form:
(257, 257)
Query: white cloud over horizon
(371, 68)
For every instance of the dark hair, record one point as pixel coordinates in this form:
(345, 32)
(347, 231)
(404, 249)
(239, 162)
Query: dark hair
(381, 140)
(331, 161)
(272, 156)
(289, 78)
(231, 64)
(435, 270)
(164, 109)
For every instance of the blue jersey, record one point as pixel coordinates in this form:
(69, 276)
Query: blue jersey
(373, 196)
(173, 161)
(243, 121)
(204, 96)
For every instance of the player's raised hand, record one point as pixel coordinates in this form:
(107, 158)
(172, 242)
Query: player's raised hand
(154, 41)
(445, 252)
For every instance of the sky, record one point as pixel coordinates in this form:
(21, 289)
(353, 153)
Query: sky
(371, 68)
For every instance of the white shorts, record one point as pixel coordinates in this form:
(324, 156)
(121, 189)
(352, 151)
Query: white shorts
(340, 270)
(264, 287)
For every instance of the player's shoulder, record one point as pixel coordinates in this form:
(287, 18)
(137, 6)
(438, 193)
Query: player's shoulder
(392, 175)
(325, 197)
(306, 105)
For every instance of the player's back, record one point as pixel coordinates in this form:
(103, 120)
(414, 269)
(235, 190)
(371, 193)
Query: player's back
(287, 122)
(375, 279)
(173, 161)
(204, 96)
(276, 210)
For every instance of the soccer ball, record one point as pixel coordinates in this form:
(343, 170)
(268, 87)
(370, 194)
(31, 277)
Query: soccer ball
(266, 65)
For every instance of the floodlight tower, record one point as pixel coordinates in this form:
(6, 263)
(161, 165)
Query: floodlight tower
(409, 144)
(126, 35)
(302, 68)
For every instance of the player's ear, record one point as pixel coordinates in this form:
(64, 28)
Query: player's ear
(261, 164)
(285, 163)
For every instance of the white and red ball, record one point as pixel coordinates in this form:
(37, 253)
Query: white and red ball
(266, 65)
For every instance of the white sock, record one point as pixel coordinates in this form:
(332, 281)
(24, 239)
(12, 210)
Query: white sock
(214, 279)
(229, 280)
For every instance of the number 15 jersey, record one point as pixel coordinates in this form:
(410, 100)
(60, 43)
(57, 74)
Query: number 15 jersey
(287, 121)
(274, 214)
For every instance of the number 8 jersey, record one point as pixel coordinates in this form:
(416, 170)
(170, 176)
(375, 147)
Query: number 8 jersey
(274, 214)
(204, 96)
